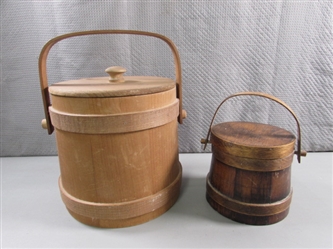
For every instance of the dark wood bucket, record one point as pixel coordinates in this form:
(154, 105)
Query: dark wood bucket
(249, 179)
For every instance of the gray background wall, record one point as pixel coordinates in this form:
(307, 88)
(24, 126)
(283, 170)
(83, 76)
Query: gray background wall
(283, 48)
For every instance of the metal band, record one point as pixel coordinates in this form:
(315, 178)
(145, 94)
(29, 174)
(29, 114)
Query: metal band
(122, 210)
(116, 123)
(253, 209)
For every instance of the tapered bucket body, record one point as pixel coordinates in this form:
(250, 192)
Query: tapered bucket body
(118, 155)
(117, 141)
(250, 174)
(248, 182)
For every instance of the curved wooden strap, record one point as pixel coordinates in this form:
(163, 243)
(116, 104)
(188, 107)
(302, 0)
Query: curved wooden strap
(254, 209)
(122, 210)
(267, 96)
(114, 123)
(47, 47)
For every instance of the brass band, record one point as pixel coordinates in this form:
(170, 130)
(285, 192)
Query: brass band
(253, 164)
(254, 209)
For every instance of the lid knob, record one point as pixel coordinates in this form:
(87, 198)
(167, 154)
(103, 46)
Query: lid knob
(44, 124)
(116, 74)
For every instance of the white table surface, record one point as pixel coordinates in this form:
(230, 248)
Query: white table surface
(33, 215)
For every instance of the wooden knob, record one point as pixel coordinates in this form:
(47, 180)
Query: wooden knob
(303, 153)
(184, 114)
(44, 124)
(116, 74)
(204, 141)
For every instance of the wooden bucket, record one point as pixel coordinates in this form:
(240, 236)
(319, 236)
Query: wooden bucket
(117, 141)
(249, 178)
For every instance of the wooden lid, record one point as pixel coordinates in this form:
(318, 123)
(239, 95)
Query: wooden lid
(253, 140)
(114, 86)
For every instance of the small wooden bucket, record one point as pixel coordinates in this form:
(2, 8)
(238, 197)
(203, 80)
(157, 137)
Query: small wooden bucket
(117, 141)
(249, 178)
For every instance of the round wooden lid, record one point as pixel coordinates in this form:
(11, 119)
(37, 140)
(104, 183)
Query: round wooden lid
(115, 86)
(253, 140)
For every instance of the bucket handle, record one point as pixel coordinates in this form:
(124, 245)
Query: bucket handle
(299, 152)
(46, 123)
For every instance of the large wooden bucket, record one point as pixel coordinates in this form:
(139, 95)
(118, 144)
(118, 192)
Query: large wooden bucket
(117, 141)
(250, 175)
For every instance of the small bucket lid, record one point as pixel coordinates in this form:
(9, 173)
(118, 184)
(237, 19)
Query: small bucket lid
(253, 140)
(114, 86)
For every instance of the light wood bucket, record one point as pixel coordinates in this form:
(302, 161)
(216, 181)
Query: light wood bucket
(118, 148)
(250, 175)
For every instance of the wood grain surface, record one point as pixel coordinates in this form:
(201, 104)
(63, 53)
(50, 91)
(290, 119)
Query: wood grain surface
(250, 174)
(130, 170)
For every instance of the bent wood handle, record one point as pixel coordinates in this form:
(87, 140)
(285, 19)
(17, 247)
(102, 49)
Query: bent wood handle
(47, 47)
(299, 152)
